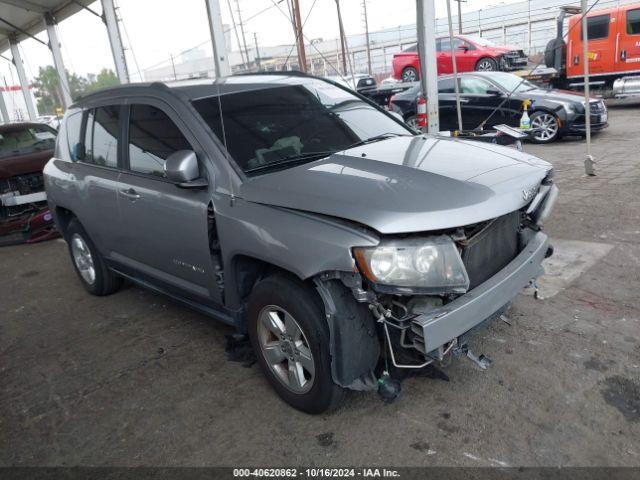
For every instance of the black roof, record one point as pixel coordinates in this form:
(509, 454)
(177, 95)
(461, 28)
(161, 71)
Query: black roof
(206, 87)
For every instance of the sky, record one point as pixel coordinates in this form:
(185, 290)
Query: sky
(153, 30)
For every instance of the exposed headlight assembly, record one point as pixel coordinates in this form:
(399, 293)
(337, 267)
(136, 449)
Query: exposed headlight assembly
(421, 264)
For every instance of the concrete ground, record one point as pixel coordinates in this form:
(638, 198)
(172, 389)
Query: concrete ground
(134, 379)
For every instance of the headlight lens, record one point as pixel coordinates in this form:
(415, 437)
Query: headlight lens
(430, 264)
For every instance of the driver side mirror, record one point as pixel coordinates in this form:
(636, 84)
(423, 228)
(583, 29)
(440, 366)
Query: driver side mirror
(464, 48)
(494, 92)
(181, 167)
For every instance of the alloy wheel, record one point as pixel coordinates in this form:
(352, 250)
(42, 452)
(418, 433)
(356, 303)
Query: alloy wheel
(547, 125)
(83, 259)
(485, 65)
(285, 348)
(409, 75)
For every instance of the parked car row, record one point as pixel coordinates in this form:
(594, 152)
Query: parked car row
(497, 98)
(471, 53)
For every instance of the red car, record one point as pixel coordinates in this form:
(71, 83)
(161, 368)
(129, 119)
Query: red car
(24, 150)
(472, 53)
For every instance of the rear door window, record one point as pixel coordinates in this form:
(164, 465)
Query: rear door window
(101, 136)
(633, 21)
(597, 27)
(153, 136)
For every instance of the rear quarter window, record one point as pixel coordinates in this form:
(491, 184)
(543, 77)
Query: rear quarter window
(73, 125)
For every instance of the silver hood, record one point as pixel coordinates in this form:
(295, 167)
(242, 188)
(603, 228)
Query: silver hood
(407, 184)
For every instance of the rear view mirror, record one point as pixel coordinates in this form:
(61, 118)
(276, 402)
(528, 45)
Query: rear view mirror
(182, 168)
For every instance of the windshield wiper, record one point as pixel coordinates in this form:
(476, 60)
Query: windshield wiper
(375, 138)
(294, 159)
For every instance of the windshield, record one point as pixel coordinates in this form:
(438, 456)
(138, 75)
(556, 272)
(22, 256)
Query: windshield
(509, 82)
(23, 140)
(280, 125)
(481, 41)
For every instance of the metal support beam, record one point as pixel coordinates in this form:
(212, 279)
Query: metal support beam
(588, 161)
(115, 40)
(426, 23)
(216, 30)
(3, 108)
(24, 84)
(54, 46)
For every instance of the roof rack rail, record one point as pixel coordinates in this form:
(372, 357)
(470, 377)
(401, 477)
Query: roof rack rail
(293, 73)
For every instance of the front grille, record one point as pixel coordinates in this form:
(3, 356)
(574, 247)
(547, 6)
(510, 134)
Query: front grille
(491, 249)
(24, 184)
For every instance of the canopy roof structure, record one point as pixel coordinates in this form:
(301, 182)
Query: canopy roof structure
(22, 18)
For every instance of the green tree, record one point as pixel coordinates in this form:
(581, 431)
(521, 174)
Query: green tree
(48, 90)
(106, 78)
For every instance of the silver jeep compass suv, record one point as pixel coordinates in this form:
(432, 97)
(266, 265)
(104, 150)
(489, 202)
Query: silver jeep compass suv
(303, 215)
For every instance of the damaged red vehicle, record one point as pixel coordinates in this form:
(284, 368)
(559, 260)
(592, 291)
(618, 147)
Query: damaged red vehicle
(25, 148)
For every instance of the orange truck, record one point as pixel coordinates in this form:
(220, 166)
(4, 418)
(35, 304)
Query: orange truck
(614, 49)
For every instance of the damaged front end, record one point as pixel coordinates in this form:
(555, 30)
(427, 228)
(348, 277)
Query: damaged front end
(426, 294)
(24, 214)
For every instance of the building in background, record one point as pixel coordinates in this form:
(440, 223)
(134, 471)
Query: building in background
(529, 25)
(14, 101)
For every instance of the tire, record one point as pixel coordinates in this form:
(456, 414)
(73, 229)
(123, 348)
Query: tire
(410, 74)
(92, 271)
(555, 47)
(412, 121)
(285, 344)
(486, 64)
(547, 121)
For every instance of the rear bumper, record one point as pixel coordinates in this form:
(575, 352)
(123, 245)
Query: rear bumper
(452, 320)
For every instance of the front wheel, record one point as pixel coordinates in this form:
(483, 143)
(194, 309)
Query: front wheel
(486, 65)
(290, 336)
(95, 276)
(547, 125)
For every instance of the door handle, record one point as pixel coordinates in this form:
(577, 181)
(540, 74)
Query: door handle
(464, 100)
(130, 193)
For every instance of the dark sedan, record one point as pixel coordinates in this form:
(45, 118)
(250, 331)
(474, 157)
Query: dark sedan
(553, 113)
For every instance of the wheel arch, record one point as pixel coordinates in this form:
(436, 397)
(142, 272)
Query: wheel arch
(63, 217)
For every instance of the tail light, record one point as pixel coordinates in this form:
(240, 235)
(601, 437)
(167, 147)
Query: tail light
(421, 112)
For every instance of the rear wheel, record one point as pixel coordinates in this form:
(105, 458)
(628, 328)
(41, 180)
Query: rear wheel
(290, 336)
(548, 127)
(409, 74)
(486, 65)
(96, 278)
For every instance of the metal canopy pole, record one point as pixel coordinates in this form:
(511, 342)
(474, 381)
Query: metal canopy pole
(588, 161)
(217, 39)
(115, 40)
(454, 50)
(3, 108)
(426, 23)
(17, 61)
(54, 46)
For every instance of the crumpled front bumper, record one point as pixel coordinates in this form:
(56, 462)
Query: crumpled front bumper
(31, 227)
(443, 324)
